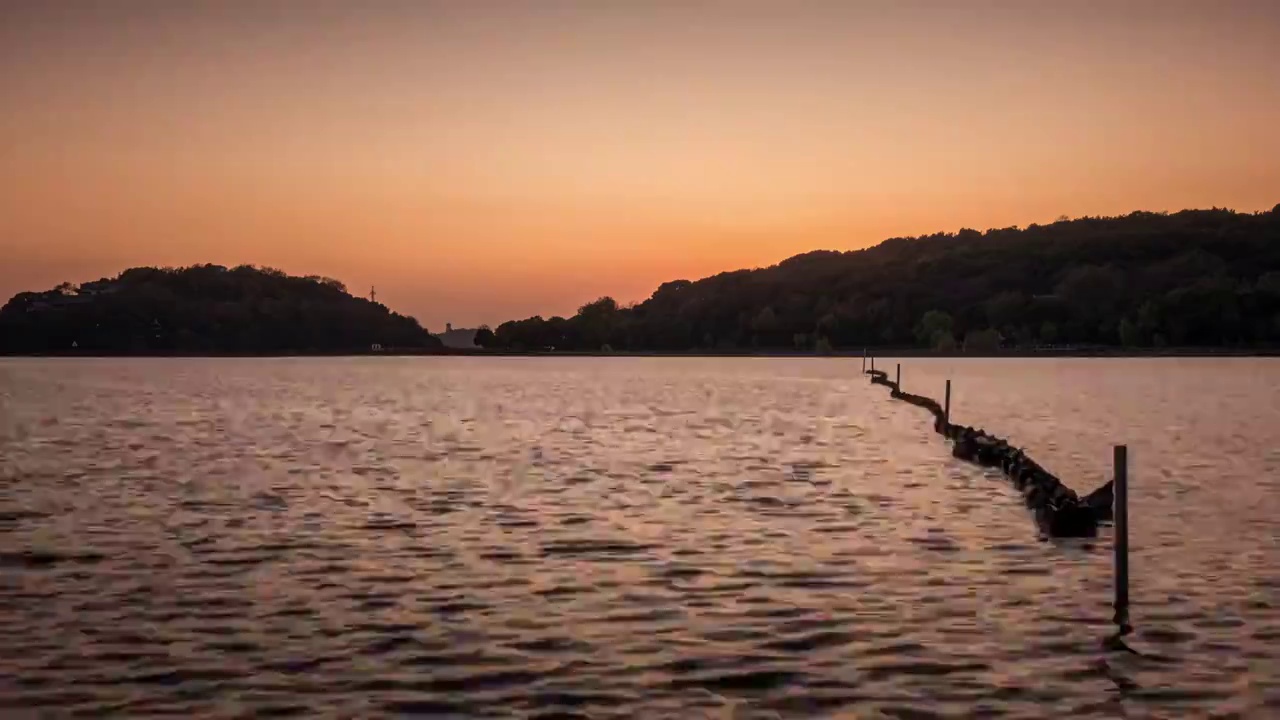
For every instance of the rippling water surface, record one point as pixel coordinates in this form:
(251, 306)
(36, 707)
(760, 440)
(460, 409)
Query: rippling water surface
(625, 538)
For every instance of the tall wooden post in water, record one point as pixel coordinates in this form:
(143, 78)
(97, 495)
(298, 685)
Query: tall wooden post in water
(864, 360)
(946, 406)
(898, 380)
(1121, 540)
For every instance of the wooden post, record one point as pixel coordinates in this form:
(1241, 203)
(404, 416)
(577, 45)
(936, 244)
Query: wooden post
(1121, 540)
(864, 361)
(898, 380)
(946, 406)
(873, 363)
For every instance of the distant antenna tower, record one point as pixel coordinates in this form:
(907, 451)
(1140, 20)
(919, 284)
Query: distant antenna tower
(373, 294)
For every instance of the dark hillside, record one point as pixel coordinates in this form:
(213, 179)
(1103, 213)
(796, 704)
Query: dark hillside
(203, 309)
(1208, 278)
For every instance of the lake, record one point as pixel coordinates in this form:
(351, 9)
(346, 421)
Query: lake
(626, 537)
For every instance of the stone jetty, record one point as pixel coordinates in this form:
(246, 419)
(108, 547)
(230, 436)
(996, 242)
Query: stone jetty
(1058, 510)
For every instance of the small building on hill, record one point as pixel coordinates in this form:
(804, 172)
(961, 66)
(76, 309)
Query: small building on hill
(461, 338)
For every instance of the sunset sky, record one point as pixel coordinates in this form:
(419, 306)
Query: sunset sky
(482, 160)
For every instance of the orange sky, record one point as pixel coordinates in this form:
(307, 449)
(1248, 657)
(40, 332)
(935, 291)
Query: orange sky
(485, 160)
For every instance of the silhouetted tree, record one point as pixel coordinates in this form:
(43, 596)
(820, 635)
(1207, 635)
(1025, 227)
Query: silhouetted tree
(1048, 332)
(203, 308)
(982, 341)
(1005, 309)
(1130, 334)
(933, 326)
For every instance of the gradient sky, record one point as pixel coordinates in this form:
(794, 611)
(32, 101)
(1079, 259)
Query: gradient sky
(485, 160)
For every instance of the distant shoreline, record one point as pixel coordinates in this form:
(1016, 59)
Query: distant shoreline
(887, 352)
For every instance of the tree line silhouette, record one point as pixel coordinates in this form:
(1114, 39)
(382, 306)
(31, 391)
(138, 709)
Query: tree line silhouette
(204, 309)
(1205, 278)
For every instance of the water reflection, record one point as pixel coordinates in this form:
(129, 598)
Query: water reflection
(623, 537)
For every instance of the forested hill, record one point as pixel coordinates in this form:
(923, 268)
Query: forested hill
(1194, 278)
(203, 309)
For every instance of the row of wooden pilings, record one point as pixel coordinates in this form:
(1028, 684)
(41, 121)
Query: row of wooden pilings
(1058, 510)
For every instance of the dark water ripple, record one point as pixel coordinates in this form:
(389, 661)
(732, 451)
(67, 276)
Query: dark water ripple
(622, 538)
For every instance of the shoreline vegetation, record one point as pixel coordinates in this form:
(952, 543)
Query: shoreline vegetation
(878, 353)
(1192, 283)
(204, 310)
(1139, 283)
